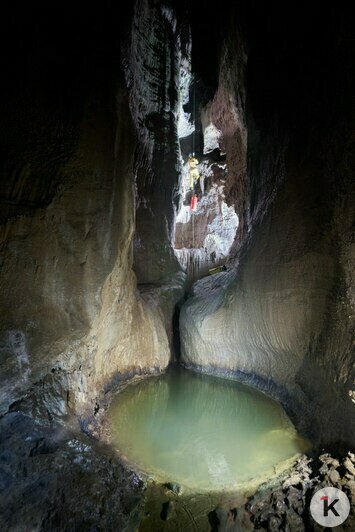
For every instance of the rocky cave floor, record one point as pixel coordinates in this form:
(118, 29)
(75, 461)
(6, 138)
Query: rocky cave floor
(55, 477)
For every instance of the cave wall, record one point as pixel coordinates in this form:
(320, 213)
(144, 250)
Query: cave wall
(227, 112)
(73, 321)
(282, 318)
(152, 59)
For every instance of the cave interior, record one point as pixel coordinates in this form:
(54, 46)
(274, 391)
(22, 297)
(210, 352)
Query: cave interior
(109, 276)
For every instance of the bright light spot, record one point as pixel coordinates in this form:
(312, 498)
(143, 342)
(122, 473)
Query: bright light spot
(211, 138)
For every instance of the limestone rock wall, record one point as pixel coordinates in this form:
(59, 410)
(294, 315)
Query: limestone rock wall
(72, 318)
(48, 470)
(226, 112)
(152, 59)
(203, 238)
(282, 318)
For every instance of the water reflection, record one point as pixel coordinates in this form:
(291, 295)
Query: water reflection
(201, 431)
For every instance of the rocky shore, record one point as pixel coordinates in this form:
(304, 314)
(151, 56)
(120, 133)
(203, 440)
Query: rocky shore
(56, 478)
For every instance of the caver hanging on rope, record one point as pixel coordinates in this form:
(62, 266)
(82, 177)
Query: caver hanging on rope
(194, 175)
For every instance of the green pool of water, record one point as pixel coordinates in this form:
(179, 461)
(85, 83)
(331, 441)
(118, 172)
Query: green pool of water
(200, 431)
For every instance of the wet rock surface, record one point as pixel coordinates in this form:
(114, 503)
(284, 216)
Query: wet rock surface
(287, 508)
(52, 478)
(285, 320)
(280, 506)
(71, 310)
(152, 58)
(56, 478)
(204, 237)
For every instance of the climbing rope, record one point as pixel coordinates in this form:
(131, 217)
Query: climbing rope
(193, 229)
(194, 117)
(193, 152)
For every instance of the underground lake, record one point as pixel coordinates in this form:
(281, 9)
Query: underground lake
(202, 432)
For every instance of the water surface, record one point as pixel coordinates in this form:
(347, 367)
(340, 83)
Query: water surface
(200, 431)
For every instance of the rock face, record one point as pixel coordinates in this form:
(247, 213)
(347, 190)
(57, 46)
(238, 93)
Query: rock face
(282, 318)
(204, 237)
(51, 479)
(68, 294)
(152, 61)
(282, 505)
(225, 115)
(287, 506)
